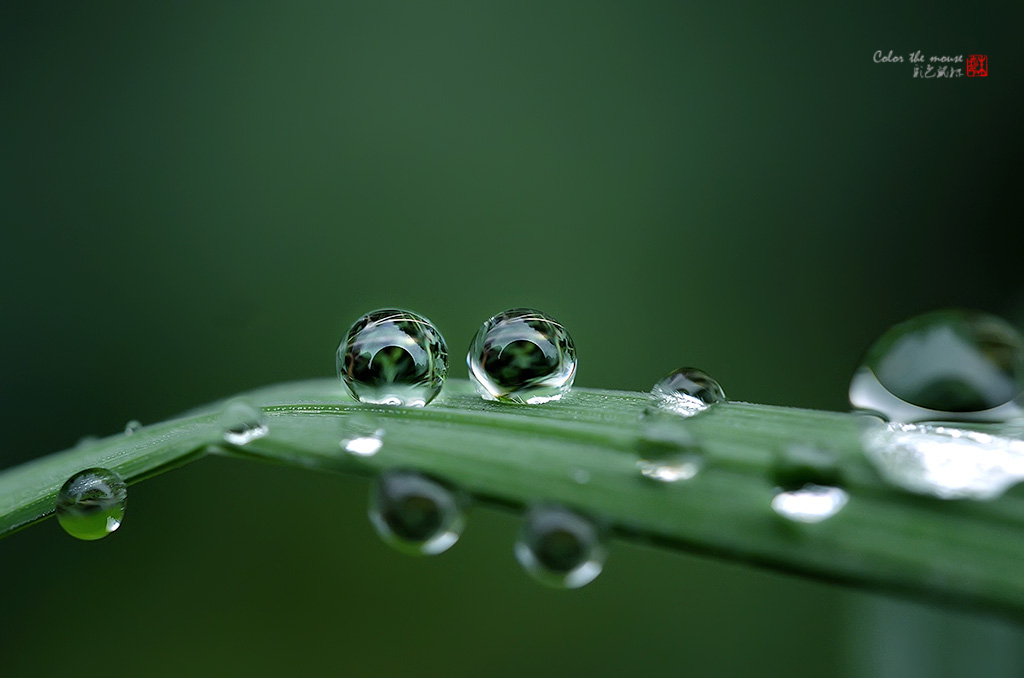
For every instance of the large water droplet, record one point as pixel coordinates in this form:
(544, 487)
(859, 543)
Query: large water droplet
(945, 461)
(522, 356)
(415, 514)
(952, 365)
(560, 548)
(90, 505)
(132, 426)
(687, 391)
(393, 357)
(810, 503)
(242, 423)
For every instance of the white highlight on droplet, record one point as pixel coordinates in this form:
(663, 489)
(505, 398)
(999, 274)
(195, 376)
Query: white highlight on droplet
(944, 461)
(811, 503)
(364, 446)
(671, 469)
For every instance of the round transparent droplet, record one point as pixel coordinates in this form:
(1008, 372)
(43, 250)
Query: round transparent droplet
(560, 548)
(242, 423)
(522, 356)
(687, 391)
(132, 426)
(393, 357)
(90, 505)
(952, 365)
(810, 503)
(415, 514)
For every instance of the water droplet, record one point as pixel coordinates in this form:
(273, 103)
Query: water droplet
(87, 441)
(393, 357)
(945, 461)
(671, 469)
(90, 505)
(560, 548)
(952, 365)
(581, 476)
(132, 426)
(810, 503)
(415, 514)
(242, 423)
(687, 391)
(667, 452)
(361, 436)
(522, 356)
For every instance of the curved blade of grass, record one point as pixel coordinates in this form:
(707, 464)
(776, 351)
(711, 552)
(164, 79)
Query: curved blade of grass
(582, 452)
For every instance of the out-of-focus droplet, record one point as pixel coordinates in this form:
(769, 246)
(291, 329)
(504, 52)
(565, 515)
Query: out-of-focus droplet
(810, 503)
(415, 514)
(560, 548)
(945, 461)
(952, 365)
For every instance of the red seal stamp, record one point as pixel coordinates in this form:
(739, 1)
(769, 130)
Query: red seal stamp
(977, 66)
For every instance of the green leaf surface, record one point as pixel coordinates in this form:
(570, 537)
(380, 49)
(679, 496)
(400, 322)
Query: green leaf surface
(582, 452)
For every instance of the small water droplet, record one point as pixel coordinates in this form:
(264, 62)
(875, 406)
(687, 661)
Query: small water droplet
(671, 469)
(415, 514)
(361, 436)
(242, 423)
(952, 365)
(581, 476)
(560, 548)
(90, 505)
(522, 356)
(810, 503)
(945, 461)
(393, 357)
(687, 391)
(132, 426)
(667, 452)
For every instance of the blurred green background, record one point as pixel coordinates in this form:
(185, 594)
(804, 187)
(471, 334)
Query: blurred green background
(199, 198)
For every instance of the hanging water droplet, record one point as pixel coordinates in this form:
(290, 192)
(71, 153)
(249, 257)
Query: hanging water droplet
(687, 391)
(90, 505)
(415, 514)
(132, 426)
(361, 436)
(560, 548)
(945, 461)
(671, 469)
(522, 356)
(810, 503)
(952, 365)
(580, 476)
(393, 357)
(242, 423)
(666, 451)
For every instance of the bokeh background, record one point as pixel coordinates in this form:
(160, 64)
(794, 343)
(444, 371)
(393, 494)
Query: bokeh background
(199, 198)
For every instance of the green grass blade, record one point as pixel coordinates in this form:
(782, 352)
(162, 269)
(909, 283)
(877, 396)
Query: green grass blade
(582, 452)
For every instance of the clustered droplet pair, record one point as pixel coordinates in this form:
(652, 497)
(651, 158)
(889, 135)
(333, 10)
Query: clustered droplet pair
(396, 357)
(423, 516)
